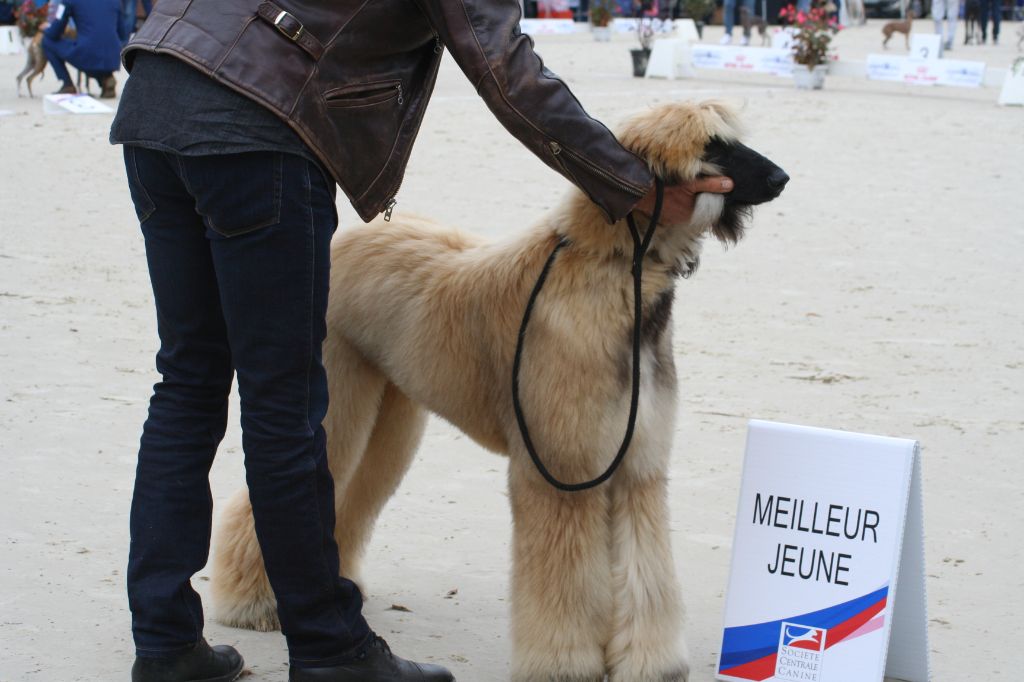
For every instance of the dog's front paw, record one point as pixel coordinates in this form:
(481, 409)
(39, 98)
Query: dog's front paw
(636, 669)
(580, 666)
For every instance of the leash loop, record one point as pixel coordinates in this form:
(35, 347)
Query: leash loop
(640, 246)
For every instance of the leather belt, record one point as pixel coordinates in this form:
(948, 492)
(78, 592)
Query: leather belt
(291, 28)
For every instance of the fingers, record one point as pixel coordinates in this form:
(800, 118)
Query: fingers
(716, 184)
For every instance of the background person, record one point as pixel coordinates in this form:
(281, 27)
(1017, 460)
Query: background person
(729, 19)
(994, 9)
(948, 10)
(95, 51)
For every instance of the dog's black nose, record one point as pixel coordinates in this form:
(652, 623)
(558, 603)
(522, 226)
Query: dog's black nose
(777, 180)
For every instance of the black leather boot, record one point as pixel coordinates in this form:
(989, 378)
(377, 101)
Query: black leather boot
(202, 663)
(375, 663)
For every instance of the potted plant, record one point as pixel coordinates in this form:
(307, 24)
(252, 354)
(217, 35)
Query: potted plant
(811, 44)
(601, 14)
(642, 55)
(698, 10)
(30, 18)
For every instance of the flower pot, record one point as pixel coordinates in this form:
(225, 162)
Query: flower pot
(807, 78)
(602, 34)
(640, 59)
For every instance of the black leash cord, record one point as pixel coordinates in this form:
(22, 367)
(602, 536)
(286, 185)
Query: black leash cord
(640, 247)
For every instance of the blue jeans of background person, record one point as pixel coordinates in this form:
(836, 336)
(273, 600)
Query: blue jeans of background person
(993, 9)
(238, 253)
(128, 8)
(57, 52)
(729, 14)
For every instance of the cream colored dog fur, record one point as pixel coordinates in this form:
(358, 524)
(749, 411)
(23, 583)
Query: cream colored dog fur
(423, 318)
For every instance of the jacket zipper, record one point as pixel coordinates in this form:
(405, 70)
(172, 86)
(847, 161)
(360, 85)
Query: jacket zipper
(389, 207)
(557, 149)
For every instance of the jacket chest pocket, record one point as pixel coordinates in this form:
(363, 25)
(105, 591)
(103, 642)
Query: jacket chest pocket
(365, 95)
(367, 118)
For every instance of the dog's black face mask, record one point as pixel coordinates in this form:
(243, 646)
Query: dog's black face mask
(756, 180)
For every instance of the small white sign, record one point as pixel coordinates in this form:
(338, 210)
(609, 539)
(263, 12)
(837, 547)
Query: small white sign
(670, 58)
(953, 72)
(547, 26)
(920, 71)
(743, 59)
(883, 67)
(1013, 84)
(73, 104)
(961, 73)
(828, 523)
(925, 45)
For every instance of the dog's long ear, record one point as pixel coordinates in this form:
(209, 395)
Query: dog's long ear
(672, 137)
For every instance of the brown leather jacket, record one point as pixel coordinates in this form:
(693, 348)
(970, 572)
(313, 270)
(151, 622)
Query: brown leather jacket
(353, 78)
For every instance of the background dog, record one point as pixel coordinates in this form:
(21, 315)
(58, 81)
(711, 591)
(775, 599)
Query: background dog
(750, 20)
(425, 318)
(902, 26)
(35, 63)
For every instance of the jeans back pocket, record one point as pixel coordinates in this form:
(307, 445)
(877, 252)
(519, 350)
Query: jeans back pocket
(235, 193)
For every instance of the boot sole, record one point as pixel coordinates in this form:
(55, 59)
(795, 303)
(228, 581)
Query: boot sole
(230, 677)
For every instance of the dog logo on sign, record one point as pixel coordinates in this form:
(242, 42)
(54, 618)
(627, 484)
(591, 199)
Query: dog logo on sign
(801, 650)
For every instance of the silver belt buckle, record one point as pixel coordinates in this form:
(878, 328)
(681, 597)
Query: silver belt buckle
(280, 18)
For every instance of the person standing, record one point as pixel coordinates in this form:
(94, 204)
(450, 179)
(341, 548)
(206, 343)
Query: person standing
(95, 50)
(948, 10)
(238, 121)
(993, 9)
(729, 19)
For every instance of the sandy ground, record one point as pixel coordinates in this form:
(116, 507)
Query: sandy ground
(882, 293)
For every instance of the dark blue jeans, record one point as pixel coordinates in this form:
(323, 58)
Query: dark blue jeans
(58, 52)
(238, 253)
(990, 9)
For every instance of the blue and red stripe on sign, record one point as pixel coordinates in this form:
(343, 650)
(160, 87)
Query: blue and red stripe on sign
(749, 651)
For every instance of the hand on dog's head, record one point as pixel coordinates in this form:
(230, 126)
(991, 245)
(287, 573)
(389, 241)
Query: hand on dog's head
(682, 141)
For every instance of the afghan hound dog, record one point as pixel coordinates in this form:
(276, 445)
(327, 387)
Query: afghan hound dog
(423, 318)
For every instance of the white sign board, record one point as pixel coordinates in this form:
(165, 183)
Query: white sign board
(913, 71)
(925, 45)
(686, 29)
(883, 67)
(827, 523)
(1013, 84)
(670, 58)
(743, 59)
(953, 72)
(73, 104)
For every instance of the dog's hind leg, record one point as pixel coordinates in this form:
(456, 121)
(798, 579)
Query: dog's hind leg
(645, 645)
(561, 579)
(396, 436)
